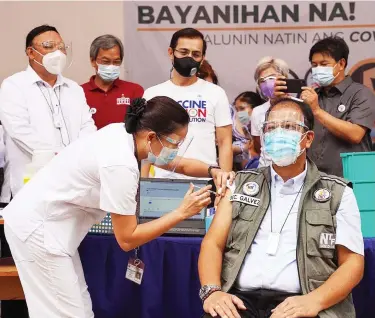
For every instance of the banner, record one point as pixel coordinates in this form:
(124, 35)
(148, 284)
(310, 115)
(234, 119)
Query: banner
(238, 34)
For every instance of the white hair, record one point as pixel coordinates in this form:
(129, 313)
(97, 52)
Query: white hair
(267, 62)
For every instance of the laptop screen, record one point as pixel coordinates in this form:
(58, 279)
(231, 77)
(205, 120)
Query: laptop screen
(161, 196)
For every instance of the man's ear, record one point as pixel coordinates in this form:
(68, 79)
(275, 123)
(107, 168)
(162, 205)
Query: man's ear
(30, 53)
(93, 63)
(310, 135)
(342, 63)
(170, 54)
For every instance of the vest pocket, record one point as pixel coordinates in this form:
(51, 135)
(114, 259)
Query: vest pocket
(320, 232)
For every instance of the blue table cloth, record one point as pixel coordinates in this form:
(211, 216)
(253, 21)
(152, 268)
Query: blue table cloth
(170, 282)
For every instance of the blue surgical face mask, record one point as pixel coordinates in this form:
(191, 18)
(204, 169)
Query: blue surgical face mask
(165, 156)
(108, 73)
(283, 146)
(323, 75)
(244, 117)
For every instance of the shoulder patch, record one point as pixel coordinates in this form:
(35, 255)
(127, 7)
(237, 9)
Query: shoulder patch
(339, 181)
(249, 171)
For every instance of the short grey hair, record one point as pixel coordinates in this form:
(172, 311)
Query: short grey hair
(267, 62)
(105, 42)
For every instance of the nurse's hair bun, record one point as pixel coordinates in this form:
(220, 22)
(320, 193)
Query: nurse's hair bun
(134, 113)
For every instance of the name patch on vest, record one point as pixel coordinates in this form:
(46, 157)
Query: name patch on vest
(244, 199)
(327, 240)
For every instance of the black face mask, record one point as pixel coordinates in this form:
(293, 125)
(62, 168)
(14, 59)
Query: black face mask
(186, 66)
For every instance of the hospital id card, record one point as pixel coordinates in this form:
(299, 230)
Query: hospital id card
(273, 243)
(134, 271)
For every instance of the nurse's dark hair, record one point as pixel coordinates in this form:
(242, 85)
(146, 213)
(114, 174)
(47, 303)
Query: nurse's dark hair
(305, 109)
(160, 114)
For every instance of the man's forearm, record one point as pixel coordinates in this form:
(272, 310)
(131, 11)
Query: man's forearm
(340, 128)
(226, 157)
(193, 168)
(339, 284)
(209, 264)
(189, 167)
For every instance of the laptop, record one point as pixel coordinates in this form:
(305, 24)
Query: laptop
(161, 196)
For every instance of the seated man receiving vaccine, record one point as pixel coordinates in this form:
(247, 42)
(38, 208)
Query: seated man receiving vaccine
(285, 237)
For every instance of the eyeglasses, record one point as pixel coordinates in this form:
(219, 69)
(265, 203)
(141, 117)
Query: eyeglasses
(109, 62)
(263, 79)
(185, 52)
(287, 125)
(53, 46)
(172, 141)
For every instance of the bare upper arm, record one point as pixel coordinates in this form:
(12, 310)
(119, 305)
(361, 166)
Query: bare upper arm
(219, 229)
(345, 255)
(224, 133)
(257, 145)
(123, 227)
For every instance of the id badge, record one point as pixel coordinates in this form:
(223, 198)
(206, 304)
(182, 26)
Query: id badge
(273, 243)
(57, 121)
(135, 270)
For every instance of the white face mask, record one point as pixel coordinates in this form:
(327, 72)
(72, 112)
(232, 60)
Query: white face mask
(53, 62)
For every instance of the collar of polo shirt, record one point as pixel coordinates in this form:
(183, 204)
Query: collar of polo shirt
(93, 86)
(295, 182)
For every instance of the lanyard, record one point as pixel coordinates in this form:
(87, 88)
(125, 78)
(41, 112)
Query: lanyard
(58, 119)
(138, 195)
(290, 210)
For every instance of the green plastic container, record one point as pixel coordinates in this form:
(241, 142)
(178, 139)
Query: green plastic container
(359, 168)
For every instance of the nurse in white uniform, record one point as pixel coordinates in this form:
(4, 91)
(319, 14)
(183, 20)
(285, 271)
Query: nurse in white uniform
(47, 220)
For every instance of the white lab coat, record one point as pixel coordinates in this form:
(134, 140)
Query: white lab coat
(27, 116)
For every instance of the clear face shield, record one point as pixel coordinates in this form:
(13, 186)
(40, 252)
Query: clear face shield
(182, 149)
(49, 48)
(282, 135)
(171, 153)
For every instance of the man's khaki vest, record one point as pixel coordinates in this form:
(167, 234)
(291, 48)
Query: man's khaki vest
(315, 264)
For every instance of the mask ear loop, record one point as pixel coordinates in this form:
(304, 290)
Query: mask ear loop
(303, 150)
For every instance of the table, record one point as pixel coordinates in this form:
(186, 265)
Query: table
(10, 285)
(170, 282)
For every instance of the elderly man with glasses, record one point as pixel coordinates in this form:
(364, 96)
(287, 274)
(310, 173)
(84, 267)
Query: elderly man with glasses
(107, 95)
(285, 237)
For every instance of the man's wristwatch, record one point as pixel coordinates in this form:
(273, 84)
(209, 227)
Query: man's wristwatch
(207, 290)
(210, 168)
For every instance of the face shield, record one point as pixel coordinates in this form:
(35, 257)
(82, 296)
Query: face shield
(182, 149)
(49, 48)
(282, 135)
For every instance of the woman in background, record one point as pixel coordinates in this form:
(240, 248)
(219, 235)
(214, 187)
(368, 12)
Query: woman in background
(244, 153)
(267, 71)
(207, 73)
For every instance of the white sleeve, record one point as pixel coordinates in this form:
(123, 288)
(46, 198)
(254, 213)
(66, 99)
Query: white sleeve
(147, 95)
(348, 232)
(222, 110)
(232, 187)
(15, 118)
(256, 123)
(87, 123)
(118, 189)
